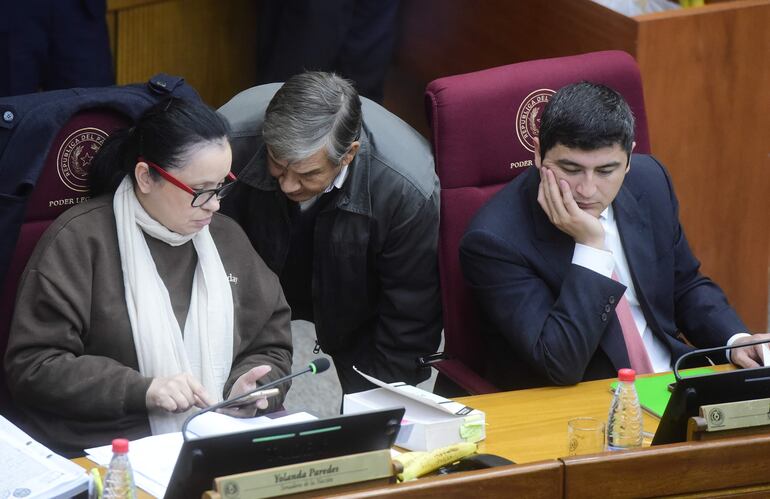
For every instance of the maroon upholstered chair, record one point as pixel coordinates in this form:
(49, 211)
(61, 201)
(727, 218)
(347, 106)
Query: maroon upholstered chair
(482, 126)
(62, 183)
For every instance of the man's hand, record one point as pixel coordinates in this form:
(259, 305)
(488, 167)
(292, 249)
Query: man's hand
(247, 382)
(750, 356)
(555, 197)
(176, 394)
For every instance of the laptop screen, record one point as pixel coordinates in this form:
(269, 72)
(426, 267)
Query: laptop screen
(693, 392)
(203, 459)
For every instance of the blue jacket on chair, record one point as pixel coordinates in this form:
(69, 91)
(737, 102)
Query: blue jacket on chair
(29, 124)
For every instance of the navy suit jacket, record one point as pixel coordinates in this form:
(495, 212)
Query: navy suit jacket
(548, 321)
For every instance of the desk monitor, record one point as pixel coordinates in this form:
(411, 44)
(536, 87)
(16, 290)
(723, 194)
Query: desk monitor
(203, 459)
(692, 392)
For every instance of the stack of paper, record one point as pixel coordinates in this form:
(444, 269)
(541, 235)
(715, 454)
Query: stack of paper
(430, 421)
(28, 469)
(153, 458)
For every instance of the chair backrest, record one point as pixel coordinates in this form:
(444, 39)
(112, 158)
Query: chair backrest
(62, 183)
(482, 126)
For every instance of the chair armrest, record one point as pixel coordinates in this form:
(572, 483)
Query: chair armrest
(465, 377)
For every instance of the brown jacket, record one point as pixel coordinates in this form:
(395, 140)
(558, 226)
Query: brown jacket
(71, 362)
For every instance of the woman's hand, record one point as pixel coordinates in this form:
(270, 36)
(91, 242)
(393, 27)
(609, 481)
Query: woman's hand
(177, 394)
(247, 382)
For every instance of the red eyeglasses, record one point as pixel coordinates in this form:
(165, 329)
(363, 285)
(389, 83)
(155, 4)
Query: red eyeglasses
(200, 197)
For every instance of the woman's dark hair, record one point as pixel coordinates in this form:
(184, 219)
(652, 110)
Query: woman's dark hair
(166, 134)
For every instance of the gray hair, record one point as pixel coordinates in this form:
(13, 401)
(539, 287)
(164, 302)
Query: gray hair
(310, 111)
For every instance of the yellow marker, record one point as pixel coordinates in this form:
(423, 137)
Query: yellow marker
(95, 486)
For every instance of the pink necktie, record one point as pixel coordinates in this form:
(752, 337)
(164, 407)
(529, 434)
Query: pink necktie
(637, 353)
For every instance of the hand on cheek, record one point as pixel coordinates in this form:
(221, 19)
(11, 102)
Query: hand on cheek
(555, 197)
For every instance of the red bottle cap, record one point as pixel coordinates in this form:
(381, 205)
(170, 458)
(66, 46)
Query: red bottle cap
(120, 445)
(626, 374)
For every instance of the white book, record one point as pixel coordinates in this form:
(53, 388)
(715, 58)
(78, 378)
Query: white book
(29, 469)
(430, 421)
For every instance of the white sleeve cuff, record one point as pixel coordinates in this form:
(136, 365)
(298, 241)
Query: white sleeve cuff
(600, 261)
(731, 341)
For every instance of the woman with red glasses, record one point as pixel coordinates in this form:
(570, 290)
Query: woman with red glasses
(144, 303)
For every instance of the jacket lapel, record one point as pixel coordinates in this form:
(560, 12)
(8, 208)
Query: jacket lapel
(638, 239)
(635, 226)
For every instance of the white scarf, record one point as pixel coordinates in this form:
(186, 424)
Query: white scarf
(206, 350)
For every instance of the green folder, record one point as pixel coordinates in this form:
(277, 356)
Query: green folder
(653, 391)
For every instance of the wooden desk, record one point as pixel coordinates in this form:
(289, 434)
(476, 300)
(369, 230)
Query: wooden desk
(531, 425)
(730, 467)
(530, 428)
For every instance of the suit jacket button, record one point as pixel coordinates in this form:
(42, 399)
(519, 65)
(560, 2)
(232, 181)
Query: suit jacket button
(604, 317)
(607, 308)
(612, 299)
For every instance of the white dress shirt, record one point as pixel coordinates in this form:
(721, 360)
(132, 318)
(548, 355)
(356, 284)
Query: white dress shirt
(613, 258)
(337, 182)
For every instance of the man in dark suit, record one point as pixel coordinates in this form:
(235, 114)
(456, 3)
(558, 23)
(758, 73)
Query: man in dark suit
(581, 266)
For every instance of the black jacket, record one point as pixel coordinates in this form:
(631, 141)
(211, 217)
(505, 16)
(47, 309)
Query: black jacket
(375, 282)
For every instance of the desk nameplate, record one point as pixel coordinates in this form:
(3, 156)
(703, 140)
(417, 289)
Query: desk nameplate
(303, 477)
(734, 415)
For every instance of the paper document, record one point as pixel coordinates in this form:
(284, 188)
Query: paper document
(29, 469)
(414, 393)
(153, 458)
(765, 355)
(638, 7)
(430, 421)
(214, 423)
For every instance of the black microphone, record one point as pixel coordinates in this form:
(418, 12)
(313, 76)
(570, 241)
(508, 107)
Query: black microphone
(317, 366)
(704, 351)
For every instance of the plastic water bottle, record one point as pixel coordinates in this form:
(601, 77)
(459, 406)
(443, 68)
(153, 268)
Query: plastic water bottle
(624, 423)
(119, 483)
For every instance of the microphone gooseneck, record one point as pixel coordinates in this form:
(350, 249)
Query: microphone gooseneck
(317, 366)
(704, 351)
